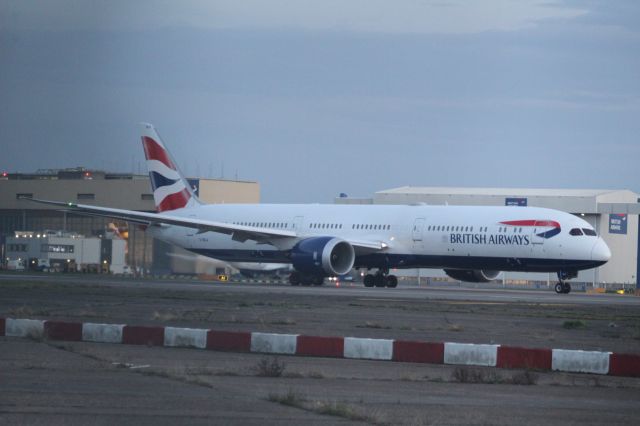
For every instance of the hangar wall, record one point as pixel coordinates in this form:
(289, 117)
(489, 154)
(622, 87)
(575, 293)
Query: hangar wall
(118, 190)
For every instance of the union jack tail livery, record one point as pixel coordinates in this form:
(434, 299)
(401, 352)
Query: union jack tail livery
(171, 191)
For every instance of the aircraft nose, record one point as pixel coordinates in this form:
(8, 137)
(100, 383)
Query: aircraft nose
(600, 251)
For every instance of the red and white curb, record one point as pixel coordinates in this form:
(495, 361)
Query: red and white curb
(500, 356)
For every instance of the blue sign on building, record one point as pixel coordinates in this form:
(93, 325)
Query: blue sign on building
(520, 202)
(618, 223)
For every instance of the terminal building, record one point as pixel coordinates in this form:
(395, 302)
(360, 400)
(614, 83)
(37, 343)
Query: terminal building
(118, 190)
(612, 213)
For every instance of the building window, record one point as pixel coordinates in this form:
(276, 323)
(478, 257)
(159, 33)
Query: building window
(56, 248)
(87, 196)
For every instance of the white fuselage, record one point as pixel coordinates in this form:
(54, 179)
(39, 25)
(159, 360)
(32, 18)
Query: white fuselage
(456, 237)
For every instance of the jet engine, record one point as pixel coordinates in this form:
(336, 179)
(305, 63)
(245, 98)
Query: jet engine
(473, 276)
(323, 256)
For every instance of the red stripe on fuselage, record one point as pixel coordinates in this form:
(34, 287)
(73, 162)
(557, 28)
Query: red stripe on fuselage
(174, 201)
(551, 223)
(153, 151)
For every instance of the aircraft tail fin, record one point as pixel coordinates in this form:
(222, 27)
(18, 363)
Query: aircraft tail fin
(171, 190)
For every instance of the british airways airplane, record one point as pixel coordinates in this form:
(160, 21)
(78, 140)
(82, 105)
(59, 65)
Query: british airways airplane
(470, 243)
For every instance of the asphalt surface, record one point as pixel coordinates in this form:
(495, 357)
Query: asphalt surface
(80, 383)
(471, 292)
(77, 383)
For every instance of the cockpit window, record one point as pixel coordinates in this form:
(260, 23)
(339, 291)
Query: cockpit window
(575, 231)
(589, 232)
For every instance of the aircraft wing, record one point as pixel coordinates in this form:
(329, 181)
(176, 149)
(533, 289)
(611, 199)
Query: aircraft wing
(368, 245)
(239, 233)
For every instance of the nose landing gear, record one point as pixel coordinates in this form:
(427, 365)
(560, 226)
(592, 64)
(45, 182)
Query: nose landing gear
(563, 287)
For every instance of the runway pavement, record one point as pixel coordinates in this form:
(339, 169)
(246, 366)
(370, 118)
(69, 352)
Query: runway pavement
(403, 292)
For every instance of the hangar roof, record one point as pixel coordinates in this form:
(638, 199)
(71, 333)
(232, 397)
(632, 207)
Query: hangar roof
(525, 192)
(588, 201)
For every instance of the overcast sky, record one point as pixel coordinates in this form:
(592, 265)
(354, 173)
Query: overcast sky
(315, 98)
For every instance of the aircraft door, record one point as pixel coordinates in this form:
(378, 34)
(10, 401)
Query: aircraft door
(537, 242)
(297, 223)
(535, 238)
(190, 235)
(418, 228)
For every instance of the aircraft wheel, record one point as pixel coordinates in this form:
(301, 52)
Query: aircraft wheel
(318, 280)
(368, 280)
(566, 288)
(559, 288)
(379, 280)
(392, 281)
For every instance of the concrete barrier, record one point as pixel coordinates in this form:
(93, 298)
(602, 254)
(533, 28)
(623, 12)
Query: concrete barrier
(359, 348)
(470, 354)
(274, 343)
(232, 341)
(103, 333)
(185, 337)
(24, 328)
(424, 352)
(514, 357)
(580, 361)
(320, 346)
(140, 335)
(624, 365)
(349, 347)
(61, 330)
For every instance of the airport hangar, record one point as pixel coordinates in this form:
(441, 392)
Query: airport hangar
(612, 213)
(118, 190)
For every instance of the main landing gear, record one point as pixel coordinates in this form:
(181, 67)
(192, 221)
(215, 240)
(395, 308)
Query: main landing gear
(296, 278)
(563, 287)
(380, 279)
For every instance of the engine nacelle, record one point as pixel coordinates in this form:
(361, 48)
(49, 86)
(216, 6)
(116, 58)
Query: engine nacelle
(323, 256)
(472, 276)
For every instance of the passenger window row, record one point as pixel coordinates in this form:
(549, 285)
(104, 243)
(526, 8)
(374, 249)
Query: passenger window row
(504, 229)
(281, 225)
(468, 228)
(451, 228)
(371, 227)
(325, 226)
